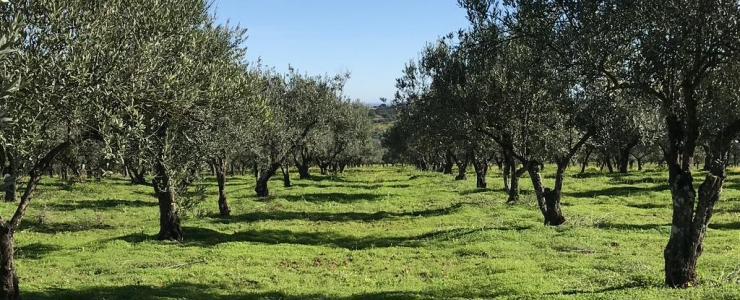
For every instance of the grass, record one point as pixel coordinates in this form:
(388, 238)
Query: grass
(379, 233)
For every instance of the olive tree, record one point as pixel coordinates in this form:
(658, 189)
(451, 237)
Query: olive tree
(44, 99)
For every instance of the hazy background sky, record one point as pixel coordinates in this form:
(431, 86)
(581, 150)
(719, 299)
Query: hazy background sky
(370, 38)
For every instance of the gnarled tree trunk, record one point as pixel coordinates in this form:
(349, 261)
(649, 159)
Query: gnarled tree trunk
(690, 220)
(303, 170)
(9, 283)
(137, 176)
(548, 200)
(481, 170)
(462, 168)
(514, 187)
(223, 203)
(169, 218)
(8, 277)
(261, 187)
(9, 186)
(584, 163)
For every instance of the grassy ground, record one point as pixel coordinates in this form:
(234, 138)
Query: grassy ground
(370, 233)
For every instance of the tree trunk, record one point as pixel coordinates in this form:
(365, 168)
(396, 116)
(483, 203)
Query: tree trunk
(223, 203)
(286, 176)
(514, 187)
(584, 163)
(449, 161)
(506, 176)
(138, 176)
(548, 200)
(8, 276)
(624, 156)
(481, 170)
(169, 219)
(462, 168)
(9, 185)
(690, 221)
(303, 172)
(608, 163)
(261, 187)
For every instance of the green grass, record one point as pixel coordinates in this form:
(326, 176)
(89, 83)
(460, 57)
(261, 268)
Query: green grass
(371, 233)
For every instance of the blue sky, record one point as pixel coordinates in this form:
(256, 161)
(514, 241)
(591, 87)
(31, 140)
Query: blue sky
(370, 38)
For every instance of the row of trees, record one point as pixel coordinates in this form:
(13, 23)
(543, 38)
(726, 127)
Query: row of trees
(155, 88)
(540, 81)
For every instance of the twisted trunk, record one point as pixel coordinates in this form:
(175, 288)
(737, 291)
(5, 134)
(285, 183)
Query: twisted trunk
(303, 172)
(690, 219)
(261, 188)
(138, 176)
(584, 163)
(514, 188)
(9, 289)
(223, 203)
(624, 156)
(8, 277)
(169, 219)
(547, 200)
(462, 168)
(481, 170)
(10, 188)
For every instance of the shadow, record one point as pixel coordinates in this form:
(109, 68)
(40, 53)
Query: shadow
(475, 191)
(649, 205)
(185, 290)
(626, 286)
(334, 197)
(142, 292)
(616, 191)
(53, 228)
(633, 227)
(728, 210)
(35, 250)
(365, 186)
(208, 237)
(725, 226)
(334, 217)
(100, 204)
(628, 180)
(593, 175)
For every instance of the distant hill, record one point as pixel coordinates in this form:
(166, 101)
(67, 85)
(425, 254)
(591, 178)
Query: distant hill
(383, 117)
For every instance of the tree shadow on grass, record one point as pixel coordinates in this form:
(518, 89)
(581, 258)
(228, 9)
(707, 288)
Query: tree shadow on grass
(334, 197)
(616, 191)
(649, 205)
(335, 217)
(475, 191)
(637, 180)
(633, 227)
(208, 237)
(363, 186)
(100, 204)
(725, 226)
(621, 287)
(35, 225)
(185, 290)
(35, 250)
